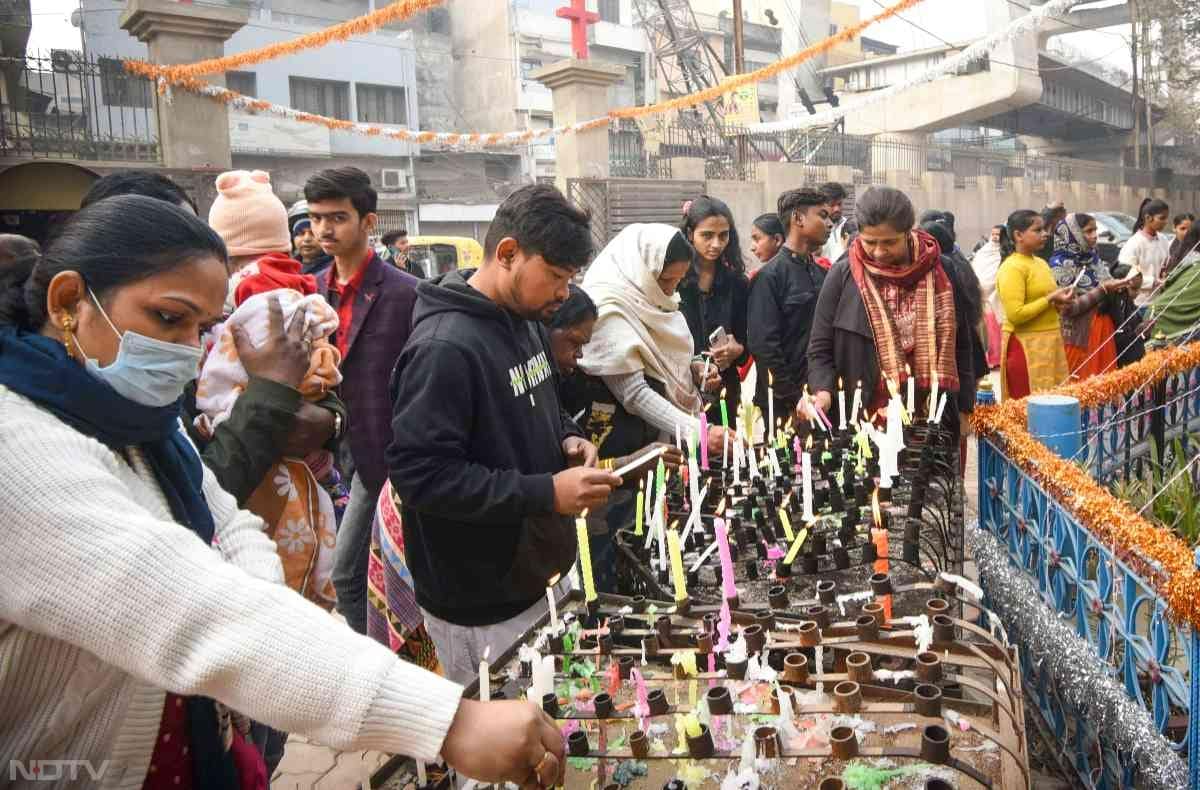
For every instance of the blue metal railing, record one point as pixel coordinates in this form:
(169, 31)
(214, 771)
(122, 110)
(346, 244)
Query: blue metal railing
(1109, 605)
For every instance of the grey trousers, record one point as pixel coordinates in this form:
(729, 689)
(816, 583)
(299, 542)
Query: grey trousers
(460, 647)
(353, 550)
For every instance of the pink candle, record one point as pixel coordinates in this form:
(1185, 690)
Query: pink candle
(796, 453)
(726, 558)
(704, 441)
(724, 627)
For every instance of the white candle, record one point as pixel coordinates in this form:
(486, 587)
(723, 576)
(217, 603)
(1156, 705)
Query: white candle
(678, 438)
(941, 408)
(806, 480)
(933, 396)
(912, 393)
(422, 779)
(856, 402)
(485, 679)
(553, 605)
(841, 406)
(649, 495)
(725, 451)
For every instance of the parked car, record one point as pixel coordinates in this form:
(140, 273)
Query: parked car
(1113, 230)
(437, 255)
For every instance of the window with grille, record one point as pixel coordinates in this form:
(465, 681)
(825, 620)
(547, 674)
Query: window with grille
(381, 104)
(610, 11)
(321, 97)
(119, 88)
(243, 82)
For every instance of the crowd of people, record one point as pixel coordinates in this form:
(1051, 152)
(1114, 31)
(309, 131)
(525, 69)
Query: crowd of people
(213, 433)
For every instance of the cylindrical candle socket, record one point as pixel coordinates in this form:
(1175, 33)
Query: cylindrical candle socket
(831, 783)
(639, 744)
(929, 666)
(700, 747)
(795, 668)
(847, 697)
(868, 628)
(819, 615)
(810, 635)
(777, 597)
(936, 606)
(577, 744)
(657, 701)
(826, 591)
(935, 745)
(843, 743)
(720, 702)
(603, 705)
(943, 628)
(858, 668)
(927, 699)
(550, 704)
(766, 742)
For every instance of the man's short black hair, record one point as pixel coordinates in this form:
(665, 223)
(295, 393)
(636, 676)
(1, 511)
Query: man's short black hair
(343, 182)
(833, 191)
(545, 223)
(138, 182)
(390, 237)
(800, 199)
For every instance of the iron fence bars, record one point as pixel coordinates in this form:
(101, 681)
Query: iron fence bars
(67, 105)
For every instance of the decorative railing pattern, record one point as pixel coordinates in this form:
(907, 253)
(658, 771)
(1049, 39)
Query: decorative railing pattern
(1125, 585)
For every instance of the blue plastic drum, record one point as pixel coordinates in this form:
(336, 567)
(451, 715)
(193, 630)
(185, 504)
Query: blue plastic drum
(1055, 421)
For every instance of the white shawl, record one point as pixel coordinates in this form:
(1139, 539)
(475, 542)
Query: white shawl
(986, 264)
(640, 328)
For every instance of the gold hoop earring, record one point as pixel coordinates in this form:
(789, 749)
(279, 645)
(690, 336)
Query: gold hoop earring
(68, 331)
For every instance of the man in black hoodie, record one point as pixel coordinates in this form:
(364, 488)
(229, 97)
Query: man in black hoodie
(486, 462)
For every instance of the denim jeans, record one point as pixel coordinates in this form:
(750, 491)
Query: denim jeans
(353, 550)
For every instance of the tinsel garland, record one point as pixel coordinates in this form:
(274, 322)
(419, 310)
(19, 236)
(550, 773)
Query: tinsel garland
(1082, 680)
(1153, 551)
(170, 75)
(974, 52)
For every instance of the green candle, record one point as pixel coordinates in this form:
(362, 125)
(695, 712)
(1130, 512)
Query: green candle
(724, 411)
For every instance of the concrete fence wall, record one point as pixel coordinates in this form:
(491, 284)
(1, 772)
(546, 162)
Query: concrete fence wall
(977, 205)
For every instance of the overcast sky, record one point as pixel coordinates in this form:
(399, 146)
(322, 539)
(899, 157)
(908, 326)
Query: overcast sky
(52, 27)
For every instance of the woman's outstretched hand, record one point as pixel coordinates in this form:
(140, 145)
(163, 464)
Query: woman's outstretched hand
(505, 741)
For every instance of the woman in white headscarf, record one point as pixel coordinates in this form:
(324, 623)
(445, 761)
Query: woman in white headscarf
(986, 264)
(641, 346)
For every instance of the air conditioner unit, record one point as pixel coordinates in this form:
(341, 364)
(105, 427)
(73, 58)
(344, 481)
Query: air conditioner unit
(394, 179)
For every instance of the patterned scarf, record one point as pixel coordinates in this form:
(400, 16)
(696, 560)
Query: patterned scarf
(934, 323)
(1073, 256)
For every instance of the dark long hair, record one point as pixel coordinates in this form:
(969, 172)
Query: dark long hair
(578, 308)
(1019, 221)
(701, 209)
(1150, 207)
(1189, 244)
(885, 206)
(111, 243)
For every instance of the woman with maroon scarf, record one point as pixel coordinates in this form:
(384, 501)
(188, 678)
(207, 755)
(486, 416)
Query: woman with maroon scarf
(887, 309)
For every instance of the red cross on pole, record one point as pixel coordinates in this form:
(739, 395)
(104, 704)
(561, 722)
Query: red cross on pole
(580, 19)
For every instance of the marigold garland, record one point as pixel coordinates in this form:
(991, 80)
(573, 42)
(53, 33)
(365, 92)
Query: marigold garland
(1152, 550)
(186, 77)
(396, 12)
(766, 72)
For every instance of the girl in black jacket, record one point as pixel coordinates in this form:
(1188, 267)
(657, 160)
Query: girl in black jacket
(714, 293)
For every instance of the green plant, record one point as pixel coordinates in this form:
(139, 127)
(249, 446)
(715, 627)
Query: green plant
(1170, 492)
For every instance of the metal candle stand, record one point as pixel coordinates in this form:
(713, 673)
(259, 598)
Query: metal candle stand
(922, 512)
(956, 705)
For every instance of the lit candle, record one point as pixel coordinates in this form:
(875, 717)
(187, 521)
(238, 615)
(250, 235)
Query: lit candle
(677, 565)
(704, 441)
(553, 604)
(726, 556)
(678, 438)
(771, 404)
(691, 725)
(650, 491)
(912, 390)
(841, 406)
(879, 536)
(856, 402)
(485, 677)
(941, 408)
(933, 395)
(639, 513)
(585, 557)
(724, 411)
(806, 479)
(810, 407)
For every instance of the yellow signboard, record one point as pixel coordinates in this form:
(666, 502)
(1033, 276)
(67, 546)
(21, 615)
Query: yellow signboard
(740, 106)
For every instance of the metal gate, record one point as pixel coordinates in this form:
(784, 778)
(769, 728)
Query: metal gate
(617, 202)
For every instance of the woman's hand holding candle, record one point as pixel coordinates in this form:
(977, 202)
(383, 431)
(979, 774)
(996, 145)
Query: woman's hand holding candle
(581, 487)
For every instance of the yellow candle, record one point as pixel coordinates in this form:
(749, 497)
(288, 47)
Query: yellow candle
(585, 557)
(691, 725)
(795, 549)
(787, 523)
(641, 504)
(676, 555)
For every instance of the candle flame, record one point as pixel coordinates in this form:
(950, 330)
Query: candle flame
(892, 388)
(721, 506)
(875, 508)
(808, 444)
(674, 525)
(641, 484)
(554, 580)
(859, 384)
(722, 393)
(770, 379)
(907, 369)
(839, 382)
(584, 513)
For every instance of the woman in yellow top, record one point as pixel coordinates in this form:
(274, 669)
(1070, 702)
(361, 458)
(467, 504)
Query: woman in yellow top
(1032, 356)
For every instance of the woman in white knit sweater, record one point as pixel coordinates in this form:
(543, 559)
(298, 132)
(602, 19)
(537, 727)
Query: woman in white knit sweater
(130, 577)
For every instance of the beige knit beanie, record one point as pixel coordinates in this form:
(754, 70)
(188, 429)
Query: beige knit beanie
(247, 215)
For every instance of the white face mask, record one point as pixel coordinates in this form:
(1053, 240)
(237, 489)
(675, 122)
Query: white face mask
(146, 371)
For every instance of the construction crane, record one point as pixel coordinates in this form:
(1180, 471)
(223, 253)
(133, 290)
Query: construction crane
(687, 63)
